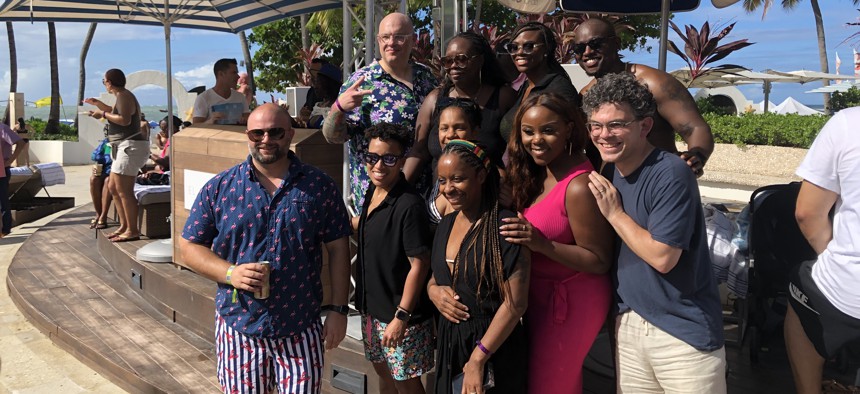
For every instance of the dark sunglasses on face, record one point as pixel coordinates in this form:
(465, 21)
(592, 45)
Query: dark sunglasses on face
(461, 60)
(595, 44)
(528, 47)
(388, 160)
(275, 133)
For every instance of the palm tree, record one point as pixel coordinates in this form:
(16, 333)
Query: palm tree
(82, 75)
(53, 125)
(752, 5)
(13, 66)
(249, 67)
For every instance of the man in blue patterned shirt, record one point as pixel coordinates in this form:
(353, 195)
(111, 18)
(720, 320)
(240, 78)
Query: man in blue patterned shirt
(390, 90)
(272, 208)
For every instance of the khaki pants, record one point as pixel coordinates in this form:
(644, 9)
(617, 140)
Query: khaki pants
(652, 361)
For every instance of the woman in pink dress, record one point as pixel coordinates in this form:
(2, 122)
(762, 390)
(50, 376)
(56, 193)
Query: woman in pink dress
(571, 242)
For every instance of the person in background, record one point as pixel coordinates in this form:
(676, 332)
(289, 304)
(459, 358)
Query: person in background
(144, 126)
(471, 72)
(273, 341)
(311, 98)
(389, 90)
(243, 87)
(393, 261)
(224, 92)
(99, 188)
(570, 240)
(162, 160)
(824, 309)
(23, 131)
(532, 49)
(129, 151)
(670, 325)
(480, 281)
(326, 79)
(596, 49)
(11, 146)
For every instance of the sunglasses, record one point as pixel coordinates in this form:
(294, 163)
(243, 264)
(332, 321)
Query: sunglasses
(445, 102)
(529, 47)
(595, 44)
(388, 160)
(274, 133)
(461, 60)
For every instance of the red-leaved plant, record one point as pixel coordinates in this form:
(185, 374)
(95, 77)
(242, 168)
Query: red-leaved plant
(701, 48)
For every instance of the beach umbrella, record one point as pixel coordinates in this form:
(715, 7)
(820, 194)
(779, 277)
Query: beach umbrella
(45, 101)
(219, 15)
(805, 76)
(792, 106)
(733, 76)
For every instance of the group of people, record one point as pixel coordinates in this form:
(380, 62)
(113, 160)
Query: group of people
(500, 229)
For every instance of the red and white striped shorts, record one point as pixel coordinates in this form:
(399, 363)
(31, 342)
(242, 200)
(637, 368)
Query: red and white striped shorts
(258, 365)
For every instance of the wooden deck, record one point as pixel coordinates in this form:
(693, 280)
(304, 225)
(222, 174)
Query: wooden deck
(153, 332)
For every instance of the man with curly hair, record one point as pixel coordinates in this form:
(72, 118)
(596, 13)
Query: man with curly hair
(596, 49)
(669, 328)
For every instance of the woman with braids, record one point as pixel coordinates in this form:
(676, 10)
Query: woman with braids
(532, 49)
(570, 240)
(479, 282)
(471, 72)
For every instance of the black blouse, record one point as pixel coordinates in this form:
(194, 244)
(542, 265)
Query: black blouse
(396, 230)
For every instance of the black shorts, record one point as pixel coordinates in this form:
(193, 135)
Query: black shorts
(826, 326)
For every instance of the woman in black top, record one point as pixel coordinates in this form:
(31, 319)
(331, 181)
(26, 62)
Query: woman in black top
(533, 50)
(471, 72)
(393, 261)
(479, 283)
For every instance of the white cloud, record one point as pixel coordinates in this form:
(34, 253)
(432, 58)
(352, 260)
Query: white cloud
(197, 76)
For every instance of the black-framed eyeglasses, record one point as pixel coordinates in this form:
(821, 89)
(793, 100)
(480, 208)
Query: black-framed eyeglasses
(395, 38)
(614, 126)
(528, 47)
(274, 133)
(388, 160)
(595, 44)
(461, 60)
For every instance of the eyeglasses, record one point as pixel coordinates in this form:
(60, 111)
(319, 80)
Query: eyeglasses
(274, 133)
(595, 44)
(388, 160)
(461, 60)
(528, 48)
(395, 38)
(614, 127)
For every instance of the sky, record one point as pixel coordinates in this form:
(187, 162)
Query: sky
(784, 40)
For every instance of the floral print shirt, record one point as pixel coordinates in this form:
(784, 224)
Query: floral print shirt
(391, 102)
(242, 223)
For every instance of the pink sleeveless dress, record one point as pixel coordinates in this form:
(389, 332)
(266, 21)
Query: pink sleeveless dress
(567, 308)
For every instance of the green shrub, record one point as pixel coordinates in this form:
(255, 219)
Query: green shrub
(67, 133)
(847, 99)
(789, 130)
(719, 105)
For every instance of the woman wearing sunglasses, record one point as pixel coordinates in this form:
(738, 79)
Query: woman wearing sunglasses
(393, 262)
(471, 72)
(532, 48)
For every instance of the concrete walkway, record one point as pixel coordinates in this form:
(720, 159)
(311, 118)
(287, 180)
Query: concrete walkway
(29, 361)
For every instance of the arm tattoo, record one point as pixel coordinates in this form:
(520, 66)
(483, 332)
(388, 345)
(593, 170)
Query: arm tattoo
(334, 127)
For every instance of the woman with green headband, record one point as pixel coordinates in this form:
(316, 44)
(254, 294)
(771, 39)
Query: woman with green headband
(479, 282)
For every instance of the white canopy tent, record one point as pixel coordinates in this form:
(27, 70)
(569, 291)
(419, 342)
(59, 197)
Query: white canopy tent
(792, 106)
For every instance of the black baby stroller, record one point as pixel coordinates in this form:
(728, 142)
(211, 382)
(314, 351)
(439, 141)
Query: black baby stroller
(776, 246)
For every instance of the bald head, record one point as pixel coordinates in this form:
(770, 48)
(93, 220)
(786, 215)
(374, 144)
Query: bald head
(596, 25)
(268, 115)
(400, 20)
(596, 46)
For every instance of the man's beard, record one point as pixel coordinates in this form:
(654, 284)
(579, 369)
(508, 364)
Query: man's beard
(266, 159)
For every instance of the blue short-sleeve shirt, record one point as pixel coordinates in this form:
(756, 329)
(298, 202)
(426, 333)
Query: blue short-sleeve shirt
(391, 102)
(243, 223)
(662, 196)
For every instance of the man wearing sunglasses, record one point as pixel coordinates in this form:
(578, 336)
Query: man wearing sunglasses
(271, 208)
(596, 49)
(389, 90)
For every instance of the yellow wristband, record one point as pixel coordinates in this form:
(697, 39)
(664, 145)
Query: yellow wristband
(230, 275)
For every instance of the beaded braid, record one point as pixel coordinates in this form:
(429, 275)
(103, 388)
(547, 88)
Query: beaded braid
(484, 228)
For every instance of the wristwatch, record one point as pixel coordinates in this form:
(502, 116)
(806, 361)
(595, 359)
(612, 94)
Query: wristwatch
(342, 309)
(402, 314)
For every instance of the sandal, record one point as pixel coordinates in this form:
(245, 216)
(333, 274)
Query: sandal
(100, 225)
(93, 223)
(114, 234)
(123, 238)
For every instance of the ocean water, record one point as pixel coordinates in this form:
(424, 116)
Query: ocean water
(68, 112)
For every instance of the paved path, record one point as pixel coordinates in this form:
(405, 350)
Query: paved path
(29, 361)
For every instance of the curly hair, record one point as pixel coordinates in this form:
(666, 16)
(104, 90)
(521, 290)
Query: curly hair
(491, 71)
(619, 88)
(524, 175)
(549, 40)
(390, 132)
(488, 264)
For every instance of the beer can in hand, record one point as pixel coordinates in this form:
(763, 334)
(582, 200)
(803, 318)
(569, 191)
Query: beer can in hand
(263, 293)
